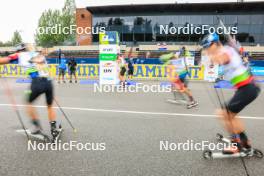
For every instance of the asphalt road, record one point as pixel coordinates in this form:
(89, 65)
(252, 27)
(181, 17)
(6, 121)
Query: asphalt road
(130, 126)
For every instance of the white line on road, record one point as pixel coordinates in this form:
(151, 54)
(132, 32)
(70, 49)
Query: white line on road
(136, 112)
(23, 131)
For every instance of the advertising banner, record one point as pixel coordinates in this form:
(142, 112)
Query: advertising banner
(91, 71)
(211, 71)
(189, 61)
(108, 49)
(107, 70)
(108, 52)
(108, 38)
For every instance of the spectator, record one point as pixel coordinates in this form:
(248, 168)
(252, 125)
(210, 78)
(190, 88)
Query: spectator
(72, 65)
(130, 64)
(130, 68)
(122, 68)
(62, 70)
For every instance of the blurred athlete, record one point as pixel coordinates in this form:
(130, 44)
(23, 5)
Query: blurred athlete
(243, 82)
(36, 68)
(178, 76)
(130, 65)
(72, 69)
(122, 67)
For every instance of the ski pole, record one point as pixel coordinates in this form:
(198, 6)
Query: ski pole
(66, 117)
(229, 118)
(13, 102)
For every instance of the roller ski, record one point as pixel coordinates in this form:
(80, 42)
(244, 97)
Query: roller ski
(178, 102)
(179, 99)
(234, 151)
(56, 132)
(192, 104)
(36, 135)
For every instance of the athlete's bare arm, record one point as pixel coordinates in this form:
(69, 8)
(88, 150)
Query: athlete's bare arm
(4, 60)
(8, 59)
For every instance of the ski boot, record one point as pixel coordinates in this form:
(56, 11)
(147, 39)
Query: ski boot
(55, 132)
(192, 104)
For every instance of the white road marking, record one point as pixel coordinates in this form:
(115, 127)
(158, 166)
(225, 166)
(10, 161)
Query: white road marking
(135, 112)
(23, 131)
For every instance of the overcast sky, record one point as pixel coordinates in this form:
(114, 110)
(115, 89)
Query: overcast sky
(23, 15)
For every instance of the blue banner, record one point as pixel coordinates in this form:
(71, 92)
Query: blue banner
(257, 71)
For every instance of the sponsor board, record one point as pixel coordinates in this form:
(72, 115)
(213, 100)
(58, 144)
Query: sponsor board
(108, 72)
(91, 71)
(189, 61)
(211, 72)
(109, 37)
(108, 49)
(107, 57)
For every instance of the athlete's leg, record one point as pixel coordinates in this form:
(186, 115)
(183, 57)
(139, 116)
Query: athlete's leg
(234, 125)
(70, 76)
(49, 101)
(51, 113)
(35, 92)
(63, 76)
(231, 121)
(122, 76)
(59, 77)
(75, 76)
(176, 90)
(236, 129)
(184, 89)
(187, 91)
(32, 112)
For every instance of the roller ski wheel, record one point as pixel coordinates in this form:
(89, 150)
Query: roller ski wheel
(257, 153)
(207, 154)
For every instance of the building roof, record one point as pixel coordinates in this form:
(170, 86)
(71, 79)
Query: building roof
(178, 8)
(91, 3)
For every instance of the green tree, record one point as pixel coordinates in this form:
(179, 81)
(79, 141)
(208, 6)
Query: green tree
(16, 39)
(4, 44)
(51, 22)
(48, 25)
(68, 19)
